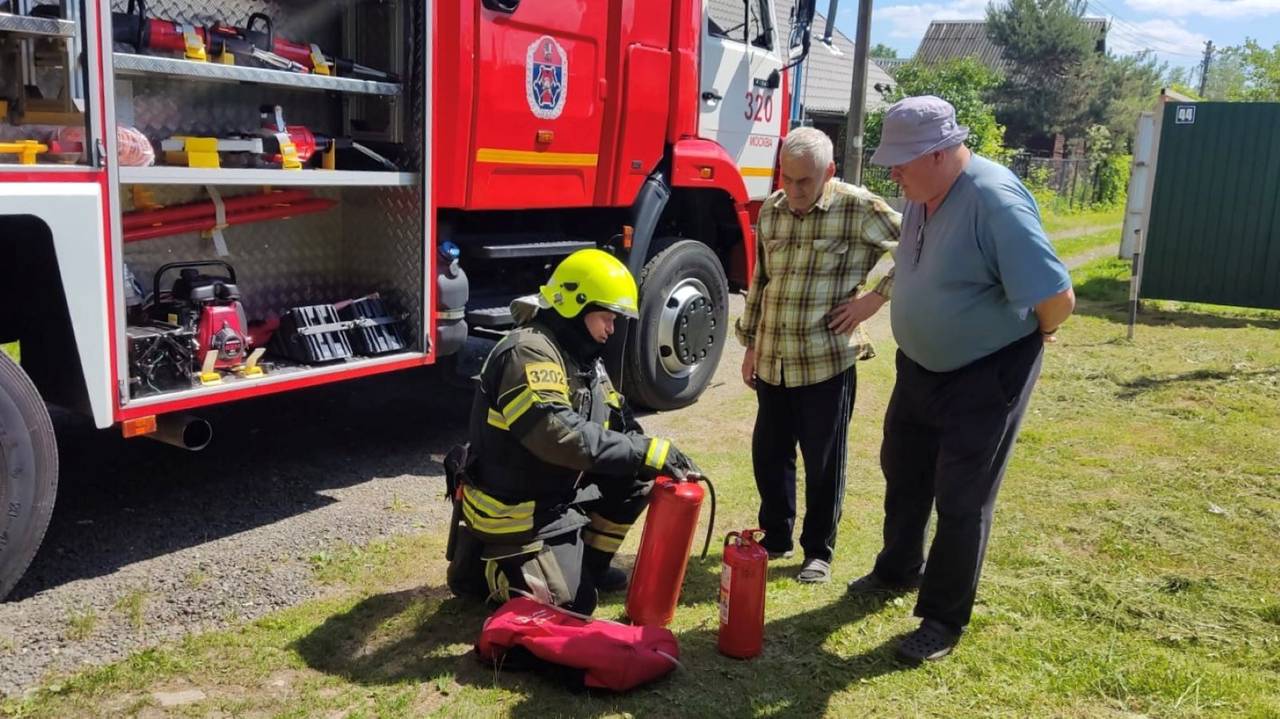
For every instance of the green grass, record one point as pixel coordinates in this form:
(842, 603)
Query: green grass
(1131, 571)
(81, 623)
(133, 607)
(1056, 222)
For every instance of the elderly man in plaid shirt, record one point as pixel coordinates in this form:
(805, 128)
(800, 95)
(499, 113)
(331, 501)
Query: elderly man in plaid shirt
(817, 239)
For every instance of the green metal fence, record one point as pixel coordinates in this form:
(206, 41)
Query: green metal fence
(1214, 230)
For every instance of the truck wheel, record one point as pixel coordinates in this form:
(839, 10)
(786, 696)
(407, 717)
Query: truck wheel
(684, 315)
(28, 472)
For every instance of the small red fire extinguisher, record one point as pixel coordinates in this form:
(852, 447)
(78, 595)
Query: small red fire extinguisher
(742, 580)
(664, 550)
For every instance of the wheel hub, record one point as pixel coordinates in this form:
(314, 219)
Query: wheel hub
(687, 328)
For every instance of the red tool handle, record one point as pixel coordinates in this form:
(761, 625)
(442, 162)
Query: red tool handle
(243, 217)
(147, 218)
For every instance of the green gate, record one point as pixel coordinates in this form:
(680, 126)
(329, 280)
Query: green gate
(1214, 230)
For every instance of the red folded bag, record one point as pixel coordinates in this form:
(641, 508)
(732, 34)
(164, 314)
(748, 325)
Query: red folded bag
(610, 655)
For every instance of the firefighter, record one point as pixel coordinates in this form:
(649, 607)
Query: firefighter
(557, 468)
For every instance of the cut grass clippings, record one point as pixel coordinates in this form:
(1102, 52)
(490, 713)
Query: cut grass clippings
(1131, 572)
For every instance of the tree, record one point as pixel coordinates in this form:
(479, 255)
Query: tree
(1262, 72)
(882, 50)
(1128, 86)
(964, 83)
(1055, 69)
(1179, 79)
(1226, 79)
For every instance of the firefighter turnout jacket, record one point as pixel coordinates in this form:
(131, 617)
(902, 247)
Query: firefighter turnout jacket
(545, 433)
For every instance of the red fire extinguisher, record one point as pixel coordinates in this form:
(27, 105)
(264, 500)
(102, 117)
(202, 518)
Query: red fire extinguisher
(742, 580)
(664, 550)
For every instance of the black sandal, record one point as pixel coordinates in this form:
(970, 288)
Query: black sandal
(928, 643)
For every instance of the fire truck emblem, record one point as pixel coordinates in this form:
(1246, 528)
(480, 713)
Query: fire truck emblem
(546, 78)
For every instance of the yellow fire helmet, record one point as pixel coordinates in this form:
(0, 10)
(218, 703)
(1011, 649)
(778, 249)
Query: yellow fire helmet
(592, 277)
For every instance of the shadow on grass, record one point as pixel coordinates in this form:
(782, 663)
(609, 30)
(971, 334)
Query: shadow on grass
(1107, 298)
(413, 636)
(1136, 387)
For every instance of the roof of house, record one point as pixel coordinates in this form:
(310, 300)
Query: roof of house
(954, 39)
(891, 64)
(828, 69)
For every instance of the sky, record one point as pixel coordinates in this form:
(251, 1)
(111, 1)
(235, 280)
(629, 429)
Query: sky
(1175, 29)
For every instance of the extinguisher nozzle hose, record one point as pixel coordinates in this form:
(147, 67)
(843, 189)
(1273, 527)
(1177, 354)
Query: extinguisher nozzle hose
(711, 522)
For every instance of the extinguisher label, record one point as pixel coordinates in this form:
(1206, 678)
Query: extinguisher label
(726, 579)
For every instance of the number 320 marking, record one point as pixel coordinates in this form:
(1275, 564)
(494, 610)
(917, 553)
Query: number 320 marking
(759, 107)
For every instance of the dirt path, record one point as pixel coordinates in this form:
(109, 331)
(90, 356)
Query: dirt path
(1082, 231)
(1096, 253)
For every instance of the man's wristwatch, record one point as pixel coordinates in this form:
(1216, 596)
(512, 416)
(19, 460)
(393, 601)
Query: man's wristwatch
(1046, 333)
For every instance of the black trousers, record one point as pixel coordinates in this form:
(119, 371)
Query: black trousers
(817, 417)
(947, 440)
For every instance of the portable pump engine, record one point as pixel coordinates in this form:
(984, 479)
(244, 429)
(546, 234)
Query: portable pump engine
(208, 305)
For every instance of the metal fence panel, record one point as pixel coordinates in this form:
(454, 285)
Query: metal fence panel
(1214, 233)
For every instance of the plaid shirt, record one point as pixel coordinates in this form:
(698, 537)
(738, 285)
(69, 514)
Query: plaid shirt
(805, 266)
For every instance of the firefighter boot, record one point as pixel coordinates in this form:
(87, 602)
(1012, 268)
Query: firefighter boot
(606, 578)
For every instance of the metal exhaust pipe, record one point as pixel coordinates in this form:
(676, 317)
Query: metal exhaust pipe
(183, 431)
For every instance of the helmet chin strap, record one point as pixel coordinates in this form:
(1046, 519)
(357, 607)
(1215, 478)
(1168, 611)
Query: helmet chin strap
(572, 334)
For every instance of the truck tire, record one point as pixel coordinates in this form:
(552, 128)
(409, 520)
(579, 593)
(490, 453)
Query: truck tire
(684, 317)
(28, 472)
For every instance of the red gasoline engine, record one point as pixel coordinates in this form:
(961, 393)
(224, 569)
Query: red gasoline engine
(742, 580)
(208, 305)
(664, 550)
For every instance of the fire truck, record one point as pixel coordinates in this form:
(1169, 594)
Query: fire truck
(203, 202)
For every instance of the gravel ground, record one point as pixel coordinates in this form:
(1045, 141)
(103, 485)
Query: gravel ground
(149, 543)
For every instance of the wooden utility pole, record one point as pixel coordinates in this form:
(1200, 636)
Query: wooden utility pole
(1204, 69)
(857, 97)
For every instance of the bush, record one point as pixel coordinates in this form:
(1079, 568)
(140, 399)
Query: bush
(1112, 181)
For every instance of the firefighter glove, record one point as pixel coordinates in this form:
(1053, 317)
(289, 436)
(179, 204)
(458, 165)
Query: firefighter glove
(679, 466)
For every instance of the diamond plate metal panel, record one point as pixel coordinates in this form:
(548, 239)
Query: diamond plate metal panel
(371, 242)
(26, 25)
(130, 64)
(385, 248)
(162, 108)
(316, 22)
(279, 263)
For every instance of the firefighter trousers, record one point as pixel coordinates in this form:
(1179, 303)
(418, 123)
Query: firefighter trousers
(560, 569)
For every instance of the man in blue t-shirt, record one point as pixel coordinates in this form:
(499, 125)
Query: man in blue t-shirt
(978, 291)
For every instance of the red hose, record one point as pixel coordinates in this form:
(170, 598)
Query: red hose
(147, 218)
(241, 217)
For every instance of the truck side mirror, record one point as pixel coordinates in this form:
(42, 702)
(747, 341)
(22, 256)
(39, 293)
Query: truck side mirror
(804, 10)
(801, 28)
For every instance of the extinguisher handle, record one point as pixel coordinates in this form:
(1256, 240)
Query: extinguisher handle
(751, 535)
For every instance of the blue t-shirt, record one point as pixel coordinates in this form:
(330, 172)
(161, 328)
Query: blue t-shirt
(983, 266)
